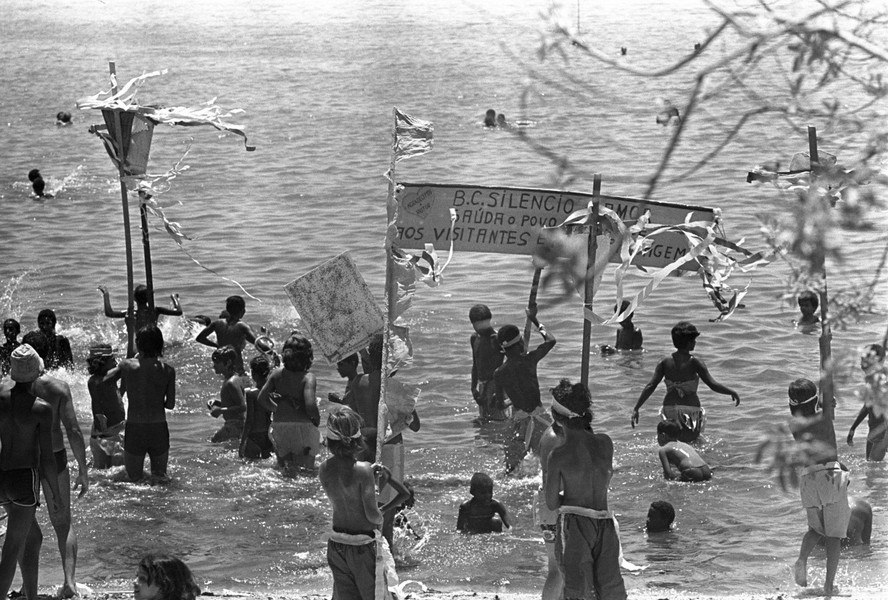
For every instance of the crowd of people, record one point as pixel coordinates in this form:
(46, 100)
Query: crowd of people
(275, 412)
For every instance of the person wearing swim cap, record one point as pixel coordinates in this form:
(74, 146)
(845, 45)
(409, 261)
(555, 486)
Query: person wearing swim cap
(350, 485)
(517, 379)
(58, 394)
(25, 450)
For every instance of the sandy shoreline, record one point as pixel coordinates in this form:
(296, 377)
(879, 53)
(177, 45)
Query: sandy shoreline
(415, 593)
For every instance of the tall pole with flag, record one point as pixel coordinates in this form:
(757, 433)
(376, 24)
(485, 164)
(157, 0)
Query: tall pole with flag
(410, 137)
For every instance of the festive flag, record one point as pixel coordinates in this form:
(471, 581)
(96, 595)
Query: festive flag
(413, 137)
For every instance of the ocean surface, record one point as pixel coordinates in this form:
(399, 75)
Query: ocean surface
(318, 82)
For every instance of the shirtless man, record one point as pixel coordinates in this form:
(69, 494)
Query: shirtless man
(350, 486)
(547, 519)
(150, 388)
(680, 461)
(57, 393)
(25, 448)
(823, 485)
(586, 543)
(230, 331)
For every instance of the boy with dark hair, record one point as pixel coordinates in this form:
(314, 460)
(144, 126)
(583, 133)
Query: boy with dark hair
(517, 379)
(230, 331)
(683, 372)
(59, 353)
(680, 461)
(823, 484)
(808, 303)
(482, 513)
(255, 442)
(150, 388)
(587, 542)
(487, 356)
(109, 415)
(356, 540)
(629, 336)
(660, 517)
(231, 405)
(145, 315)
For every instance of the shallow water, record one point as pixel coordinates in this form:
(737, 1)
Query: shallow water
(318, 82)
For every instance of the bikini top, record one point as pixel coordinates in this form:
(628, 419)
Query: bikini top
(683, 388)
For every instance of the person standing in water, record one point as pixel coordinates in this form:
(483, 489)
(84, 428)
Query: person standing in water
(683, 372)
(145, 315)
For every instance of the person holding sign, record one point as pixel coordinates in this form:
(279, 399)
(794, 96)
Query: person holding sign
(683, 372)
(517, 379)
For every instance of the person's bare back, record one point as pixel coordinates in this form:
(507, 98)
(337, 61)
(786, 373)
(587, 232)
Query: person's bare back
(350, 486)
(582, 467)
(150, 388)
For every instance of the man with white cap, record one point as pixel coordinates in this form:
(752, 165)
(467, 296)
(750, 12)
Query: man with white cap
(57, 393)
(25, 451)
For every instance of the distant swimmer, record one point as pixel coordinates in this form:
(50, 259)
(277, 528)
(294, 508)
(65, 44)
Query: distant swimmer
(697, 47)
(490, 118)
(623, 50)
(667, 114)
(501, 121)
(660, 516)
(63, 118)
(37, 184)
(808, 303)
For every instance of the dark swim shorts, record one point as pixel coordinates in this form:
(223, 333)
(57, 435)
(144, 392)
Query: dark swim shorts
(152, 439)
(19, 486)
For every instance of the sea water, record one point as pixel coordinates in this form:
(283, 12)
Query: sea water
(318, 82)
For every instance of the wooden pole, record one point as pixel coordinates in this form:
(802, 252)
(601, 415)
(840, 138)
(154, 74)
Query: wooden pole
(146, 246)
(818, 266)
(531, 302)
(592, 250)
(130, 313)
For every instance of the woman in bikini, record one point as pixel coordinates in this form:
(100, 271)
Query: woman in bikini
(683, 372)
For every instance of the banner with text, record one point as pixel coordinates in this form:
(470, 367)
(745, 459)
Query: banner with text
(509, 220)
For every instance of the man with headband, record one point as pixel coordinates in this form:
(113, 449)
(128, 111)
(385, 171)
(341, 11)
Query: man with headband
(517, 379)
(587, 542)
(25, 450)
(823, 484)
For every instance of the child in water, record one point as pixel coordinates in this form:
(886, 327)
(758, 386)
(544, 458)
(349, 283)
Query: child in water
(11, 330)
(808, 303)
(482, 513)
(683, 372)
(230, 330)
(109, 416)
(255, 442)
(628, 335)
(164, 577)
(660, 516)
(680, 461)
(232, 404)
(145, 314)
(486, 359)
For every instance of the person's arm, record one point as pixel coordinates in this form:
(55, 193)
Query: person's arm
(640, 339)
(402, 494)
(170, 402)
(204, 336)
(248, 419)
(110, 312)
(548, 339)
(309, 388)
(175, 311)
(239, 406)
(553, 484)
(65, 355)
(265, 397)
(715, 386)
(367, 487)
(646, 392)
(248, 332)
(47, 457)
(864, 411)
(668, 471)
(75, 437)
(503, 513)
(475, 394)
